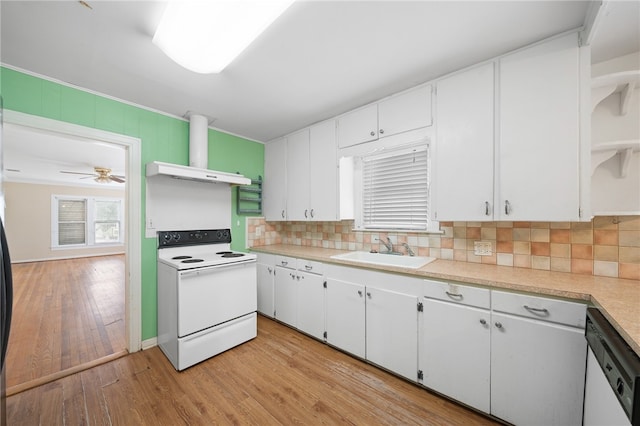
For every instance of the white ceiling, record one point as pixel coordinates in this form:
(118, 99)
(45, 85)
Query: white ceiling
(321, 58)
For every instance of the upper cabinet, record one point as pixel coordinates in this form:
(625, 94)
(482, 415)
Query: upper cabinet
(399, 113)
(533, 167)
(539, 144)
(274, 189)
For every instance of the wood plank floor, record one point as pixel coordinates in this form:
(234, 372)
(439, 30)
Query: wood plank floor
(282, 377)
(66, 313)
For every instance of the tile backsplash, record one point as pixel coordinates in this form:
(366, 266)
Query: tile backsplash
(607, 246)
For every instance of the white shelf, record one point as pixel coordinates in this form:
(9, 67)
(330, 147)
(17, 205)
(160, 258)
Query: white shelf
(603, 151)
(624, 82)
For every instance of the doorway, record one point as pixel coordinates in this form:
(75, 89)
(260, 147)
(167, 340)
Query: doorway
(129, 262)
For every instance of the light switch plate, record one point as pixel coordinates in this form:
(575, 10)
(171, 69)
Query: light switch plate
(482, 248)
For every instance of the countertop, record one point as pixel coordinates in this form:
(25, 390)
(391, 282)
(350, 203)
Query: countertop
(618, 299)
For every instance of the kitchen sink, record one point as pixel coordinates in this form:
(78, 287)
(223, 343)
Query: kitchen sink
(413, 262)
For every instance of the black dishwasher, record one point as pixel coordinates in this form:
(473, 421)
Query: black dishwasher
(620, 365)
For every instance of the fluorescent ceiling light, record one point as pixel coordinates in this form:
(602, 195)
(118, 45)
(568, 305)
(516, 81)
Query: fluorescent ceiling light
(205, 36)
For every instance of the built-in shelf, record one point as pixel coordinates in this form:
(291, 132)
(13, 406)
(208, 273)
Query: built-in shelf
(624, 82)
(603, 151)
(250, 195)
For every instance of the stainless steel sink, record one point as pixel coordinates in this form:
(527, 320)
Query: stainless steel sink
(413, 262)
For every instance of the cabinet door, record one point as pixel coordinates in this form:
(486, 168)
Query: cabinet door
(298, 176)
(455, 352)
(464, 156)
(310, 305)
(392, 331)
(346, 316)
(407, 111)
(265, 289)
(358, 126)
(537, 371)
(539, 132)
(323, 172)
(285, 295)
(274, 189)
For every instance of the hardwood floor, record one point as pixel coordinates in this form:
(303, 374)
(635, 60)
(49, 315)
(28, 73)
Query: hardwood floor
(282, 377)
(66, 313)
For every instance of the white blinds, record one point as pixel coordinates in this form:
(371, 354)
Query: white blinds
(396, 190)
(72, 222)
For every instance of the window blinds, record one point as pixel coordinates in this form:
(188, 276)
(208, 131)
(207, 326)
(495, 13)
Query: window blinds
(396, 190)
(72, 222)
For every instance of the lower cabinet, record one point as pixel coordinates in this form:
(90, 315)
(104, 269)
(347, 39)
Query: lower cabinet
(455, 351)
(265, 268)
(346, 316)
(310, 304)
(285, 291)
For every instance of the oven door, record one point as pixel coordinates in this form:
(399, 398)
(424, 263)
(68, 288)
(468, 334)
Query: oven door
(213, 295)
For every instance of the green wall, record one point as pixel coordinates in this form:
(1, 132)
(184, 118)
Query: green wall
(163, 139)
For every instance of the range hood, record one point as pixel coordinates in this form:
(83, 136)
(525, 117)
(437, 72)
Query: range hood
(198, 153)
(157, 168)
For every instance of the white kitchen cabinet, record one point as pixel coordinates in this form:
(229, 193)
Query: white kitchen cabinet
(265, 267)
(455, 346)
(399, 113)
(392, 331)
(539, 163)
(532, 167)
(285, 291)
(298, 175)
(323, 172)
(345, 316)
(537, 366)
(464, 158)
(274, 188)
(310, 298)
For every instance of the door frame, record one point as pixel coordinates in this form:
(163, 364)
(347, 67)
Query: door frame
(133, 245)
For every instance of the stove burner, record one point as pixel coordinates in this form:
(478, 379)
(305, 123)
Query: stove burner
(233, 254)
(181, 257)
(224, 252)
(193, 260)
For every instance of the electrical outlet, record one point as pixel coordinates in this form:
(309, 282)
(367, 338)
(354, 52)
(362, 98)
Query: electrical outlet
(482, 248)
(258, 231)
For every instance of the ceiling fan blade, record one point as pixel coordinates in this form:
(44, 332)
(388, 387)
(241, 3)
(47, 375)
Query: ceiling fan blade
(77, 173)
(116, 179)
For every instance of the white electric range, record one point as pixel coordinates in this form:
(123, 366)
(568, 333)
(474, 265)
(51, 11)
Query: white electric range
(207, 295)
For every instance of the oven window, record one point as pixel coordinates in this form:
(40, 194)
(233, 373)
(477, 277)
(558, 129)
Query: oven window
(86, 221)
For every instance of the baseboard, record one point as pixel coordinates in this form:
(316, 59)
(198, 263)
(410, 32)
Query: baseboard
(149, 343)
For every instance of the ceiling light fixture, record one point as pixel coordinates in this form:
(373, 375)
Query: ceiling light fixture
(205, 36)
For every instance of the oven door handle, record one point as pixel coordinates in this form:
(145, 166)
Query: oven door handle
(213, 269)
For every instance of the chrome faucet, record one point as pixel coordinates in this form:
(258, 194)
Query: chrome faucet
(409, 251)
(389, 245)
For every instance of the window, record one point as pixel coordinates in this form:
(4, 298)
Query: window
(394, 190)
(86, 221)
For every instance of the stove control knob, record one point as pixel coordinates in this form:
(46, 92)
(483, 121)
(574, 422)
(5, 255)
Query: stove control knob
(175, 236)
(219, 235)
(197, 236)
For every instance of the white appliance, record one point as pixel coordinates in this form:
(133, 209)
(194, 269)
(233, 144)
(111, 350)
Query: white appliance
(612, 389)
(207, 295)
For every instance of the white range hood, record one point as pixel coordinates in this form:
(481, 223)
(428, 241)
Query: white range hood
(198, 153)
(157, 168)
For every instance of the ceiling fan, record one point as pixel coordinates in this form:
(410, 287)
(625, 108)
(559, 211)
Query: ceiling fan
(101, 175)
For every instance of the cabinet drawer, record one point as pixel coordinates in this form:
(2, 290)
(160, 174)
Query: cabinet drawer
(310, 266)
(265, 258)
(463, 295)
(286, 262)
(558, 311)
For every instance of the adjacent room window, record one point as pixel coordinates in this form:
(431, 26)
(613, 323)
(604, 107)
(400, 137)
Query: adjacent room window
(394, 190)
(86, 221)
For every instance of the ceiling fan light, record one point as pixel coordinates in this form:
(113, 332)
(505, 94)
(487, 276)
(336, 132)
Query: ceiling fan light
(102, 179)
(206, 36)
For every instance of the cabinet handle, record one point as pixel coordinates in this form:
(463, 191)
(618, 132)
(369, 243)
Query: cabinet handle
(486, 208)
(483, 321)
(381, 132)
(454, 296)
(498, 325)
(305, 213)
(540, 311)
(372, 133)
(308, 267)
(283, 214)
(360, 293)
(311, 212)
(284, 263)
(507, 207)
(369, 295)
(269, 269)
